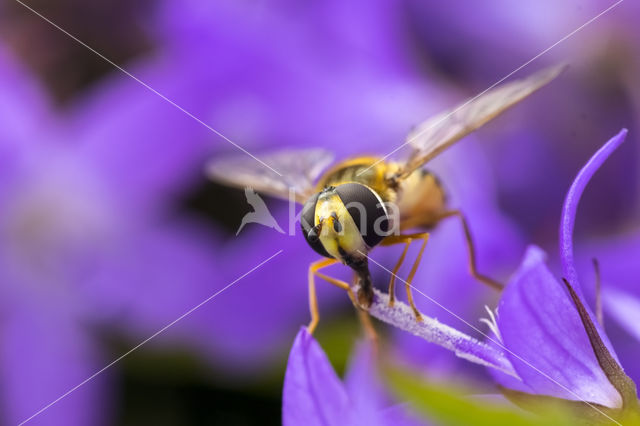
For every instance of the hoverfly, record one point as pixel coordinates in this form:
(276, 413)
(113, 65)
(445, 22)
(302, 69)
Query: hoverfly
(346, 212)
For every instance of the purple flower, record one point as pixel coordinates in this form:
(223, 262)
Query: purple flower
(625, 309)
(599, 92)
(618, 259)
(313, 393)
(551, 339)
(546, 340)
(85, 239)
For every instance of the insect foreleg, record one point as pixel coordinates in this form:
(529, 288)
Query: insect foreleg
(313, 299)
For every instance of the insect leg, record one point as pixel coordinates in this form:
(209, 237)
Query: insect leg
(473, 269)
(392, 281)
(367, 325)
(407, 239)
(365, 318)
(313, 300)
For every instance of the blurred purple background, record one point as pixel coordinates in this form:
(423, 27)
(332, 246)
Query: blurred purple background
(109, 229)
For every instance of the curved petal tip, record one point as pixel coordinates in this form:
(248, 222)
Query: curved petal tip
(572, 199)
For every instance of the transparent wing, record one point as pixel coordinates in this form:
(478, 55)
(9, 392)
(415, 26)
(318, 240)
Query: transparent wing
(292, 172)
(438, 133)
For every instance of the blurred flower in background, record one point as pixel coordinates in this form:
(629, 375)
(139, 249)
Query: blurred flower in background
(535, 152)
(86, 238)
(475, 45)
(346, 82)
(110, 231)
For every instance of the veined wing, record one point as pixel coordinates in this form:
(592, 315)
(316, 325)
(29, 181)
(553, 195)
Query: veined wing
(293, 171)
(438, 133)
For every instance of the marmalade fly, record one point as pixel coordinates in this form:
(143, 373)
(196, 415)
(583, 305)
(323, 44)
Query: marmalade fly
(347, 208)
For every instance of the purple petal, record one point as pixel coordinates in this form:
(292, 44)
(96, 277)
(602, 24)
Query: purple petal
(138, 142)
(313, 393)
(570, 206)
(41, 358)
(548, 345)
(624, 308)
(371, 402)
(25, 121)
(24, 107)
(369, 103)
(618, 258)
(261, 312)
(363, 385)
(159, 274)
(155, 277)
(360, 33)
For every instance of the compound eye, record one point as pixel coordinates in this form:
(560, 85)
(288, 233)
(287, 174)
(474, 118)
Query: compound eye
(367, 210)
(309, 230)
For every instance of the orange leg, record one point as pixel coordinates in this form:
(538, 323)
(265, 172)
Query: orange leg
(406, 240)
(471, 249)
(392, 281)
(313, 299)
(365, 319)
(367, 326)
